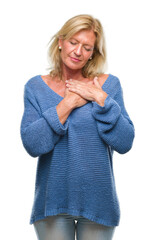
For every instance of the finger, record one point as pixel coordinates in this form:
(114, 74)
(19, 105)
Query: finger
(96, 82)
(73, 81)
(72, 89)
(75, 84)
(95, 78)
(70, 83)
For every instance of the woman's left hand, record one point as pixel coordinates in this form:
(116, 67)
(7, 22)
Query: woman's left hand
(89, 91)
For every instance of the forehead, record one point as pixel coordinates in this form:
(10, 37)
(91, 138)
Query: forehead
(85, 37)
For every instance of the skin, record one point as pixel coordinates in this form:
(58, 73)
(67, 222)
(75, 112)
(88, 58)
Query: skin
(75, 89)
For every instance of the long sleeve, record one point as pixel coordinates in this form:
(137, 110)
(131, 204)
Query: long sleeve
(113, 122)
(39, 131)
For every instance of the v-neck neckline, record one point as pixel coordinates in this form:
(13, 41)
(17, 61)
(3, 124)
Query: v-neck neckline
(40, 76)
(58, 95)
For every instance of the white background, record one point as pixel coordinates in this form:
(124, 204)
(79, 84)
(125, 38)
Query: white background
(26, 28)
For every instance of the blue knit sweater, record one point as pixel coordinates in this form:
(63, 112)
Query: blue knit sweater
(75, 170)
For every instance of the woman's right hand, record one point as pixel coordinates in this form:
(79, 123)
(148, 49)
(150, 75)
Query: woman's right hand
(75, 99)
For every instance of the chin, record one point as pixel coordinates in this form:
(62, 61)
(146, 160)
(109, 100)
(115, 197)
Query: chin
(75, 66)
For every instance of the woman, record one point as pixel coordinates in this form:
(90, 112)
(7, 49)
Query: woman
(74, 118)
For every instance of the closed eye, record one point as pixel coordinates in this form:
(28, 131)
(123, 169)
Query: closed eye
(73, 43)
(88, 49)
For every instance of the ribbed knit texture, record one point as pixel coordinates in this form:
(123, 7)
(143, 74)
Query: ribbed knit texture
(75, 171)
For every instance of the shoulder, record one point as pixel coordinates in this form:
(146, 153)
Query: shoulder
(33, 84)
(110, 84)
(103, 77)
(32, 81)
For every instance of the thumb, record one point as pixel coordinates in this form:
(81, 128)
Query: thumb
(96, 82)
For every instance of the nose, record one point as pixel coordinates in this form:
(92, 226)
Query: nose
(78, 50)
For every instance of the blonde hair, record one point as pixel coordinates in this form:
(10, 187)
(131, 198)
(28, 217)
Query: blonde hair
(72, 26)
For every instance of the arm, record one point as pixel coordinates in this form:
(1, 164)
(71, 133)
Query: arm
(64, 108)
(70, 102)
(41, 131)
(113, 122)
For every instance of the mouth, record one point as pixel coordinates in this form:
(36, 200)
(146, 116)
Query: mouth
(75, 59)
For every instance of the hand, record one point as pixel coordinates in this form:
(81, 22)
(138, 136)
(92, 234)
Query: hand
(74, 99)
(90, 92)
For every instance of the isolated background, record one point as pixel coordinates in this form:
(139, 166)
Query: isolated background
(26, 28)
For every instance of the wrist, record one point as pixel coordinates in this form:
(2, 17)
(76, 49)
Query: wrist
(68, 103)
(100, 98)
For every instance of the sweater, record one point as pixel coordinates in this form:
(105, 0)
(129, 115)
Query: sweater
(75, 160)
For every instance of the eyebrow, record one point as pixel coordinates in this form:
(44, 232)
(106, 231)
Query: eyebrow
(84, 44)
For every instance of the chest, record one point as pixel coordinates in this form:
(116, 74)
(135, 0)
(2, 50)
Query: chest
(57, 87)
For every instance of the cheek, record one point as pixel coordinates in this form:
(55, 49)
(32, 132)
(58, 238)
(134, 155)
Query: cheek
(87, 56)
(67, 48)
(65, 53)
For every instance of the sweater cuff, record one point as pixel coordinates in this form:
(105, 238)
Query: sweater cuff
(108, 113)
(52, 118)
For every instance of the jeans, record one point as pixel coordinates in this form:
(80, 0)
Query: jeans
(66, 227)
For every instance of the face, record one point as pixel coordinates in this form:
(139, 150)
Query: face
(76, 51)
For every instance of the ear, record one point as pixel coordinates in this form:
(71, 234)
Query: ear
(60, 41)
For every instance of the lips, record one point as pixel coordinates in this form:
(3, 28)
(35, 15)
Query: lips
(75, 59)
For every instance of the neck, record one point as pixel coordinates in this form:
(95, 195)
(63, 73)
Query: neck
(68, 73)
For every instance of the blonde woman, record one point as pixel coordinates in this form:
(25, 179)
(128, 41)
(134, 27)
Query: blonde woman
(74, 118)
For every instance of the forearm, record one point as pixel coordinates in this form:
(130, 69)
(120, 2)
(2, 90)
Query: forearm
(64, 108)
(114, 125)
